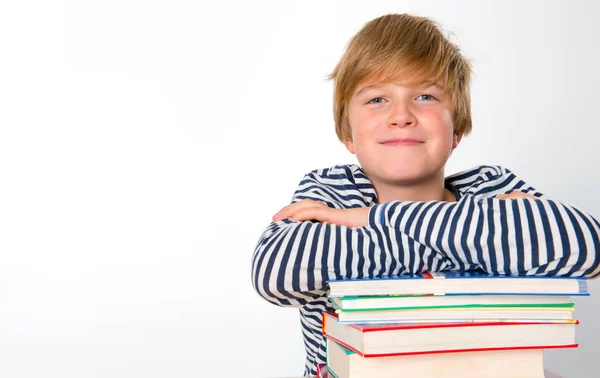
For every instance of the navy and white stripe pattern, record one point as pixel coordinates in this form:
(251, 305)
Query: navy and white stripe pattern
(294, 260)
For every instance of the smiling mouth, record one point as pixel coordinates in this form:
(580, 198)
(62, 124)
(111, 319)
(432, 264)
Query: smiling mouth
(402, 142)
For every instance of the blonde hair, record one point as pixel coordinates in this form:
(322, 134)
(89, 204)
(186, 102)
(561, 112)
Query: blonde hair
(407, 48)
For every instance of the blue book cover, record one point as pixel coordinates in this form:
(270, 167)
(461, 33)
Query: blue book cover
(459, 283)
(455, 274)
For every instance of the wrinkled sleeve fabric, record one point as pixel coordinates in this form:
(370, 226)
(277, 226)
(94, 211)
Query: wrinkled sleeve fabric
(513, 237)
(293, 261)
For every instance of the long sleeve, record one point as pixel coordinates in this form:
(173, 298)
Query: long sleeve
(293, 261)
(512, 237)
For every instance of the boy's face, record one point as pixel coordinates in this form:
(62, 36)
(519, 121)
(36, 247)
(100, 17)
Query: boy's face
(401, 135)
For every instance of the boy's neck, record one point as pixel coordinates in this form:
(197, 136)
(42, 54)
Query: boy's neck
(432, 190)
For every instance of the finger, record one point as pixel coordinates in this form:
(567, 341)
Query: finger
(508, 196)
(527, 195)
(289, 210)
(318, 213)
(515, 195)
(519, 194)
(283, 212)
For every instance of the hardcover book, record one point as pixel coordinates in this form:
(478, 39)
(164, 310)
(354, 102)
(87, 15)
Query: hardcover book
(344, 363)
(378, 340)
(388, 302)
(459, 314)
(454, 282)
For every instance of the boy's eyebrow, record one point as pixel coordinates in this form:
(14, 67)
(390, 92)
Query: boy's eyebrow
(436, 84)
(366, 88)
(425, 84)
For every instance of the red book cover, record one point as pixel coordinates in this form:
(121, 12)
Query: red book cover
(322, 371)
(364, 328)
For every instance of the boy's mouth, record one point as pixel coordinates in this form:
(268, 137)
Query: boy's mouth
(401, 142)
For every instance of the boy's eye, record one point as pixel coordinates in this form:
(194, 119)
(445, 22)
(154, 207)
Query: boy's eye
(376, 100)
(426, 97)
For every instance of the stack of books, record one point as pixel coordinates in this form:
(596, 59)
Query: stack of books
(448, 324)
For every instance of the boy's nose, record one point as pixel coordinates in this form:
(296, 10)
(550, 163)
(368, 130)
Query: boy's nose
(401, 116)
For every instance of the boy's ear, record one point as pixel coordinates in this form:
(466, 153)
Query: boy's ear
(456, 141)
(349, 145)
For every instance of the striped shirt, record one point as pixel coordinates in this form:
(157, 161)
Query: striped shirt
(293, 260)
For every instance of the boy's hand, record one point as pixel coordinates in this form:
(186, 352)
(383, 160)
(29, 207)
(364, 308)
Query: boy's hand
(515, 194)
(316, 210)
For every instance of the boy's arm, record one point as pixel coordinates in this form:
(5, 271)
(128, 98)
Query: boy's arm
(293, 260)
(515, 237)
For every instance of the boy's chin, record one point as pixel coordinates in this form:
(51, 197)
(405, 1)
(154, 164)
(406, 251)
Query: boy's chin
(406, 177)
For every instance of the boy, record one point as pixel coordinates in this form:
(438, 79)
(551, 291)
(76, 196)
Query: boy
(402, 104)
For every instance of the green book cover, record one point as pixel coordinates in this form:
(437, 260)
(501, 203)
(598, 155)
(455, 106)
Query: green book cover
(545, 305)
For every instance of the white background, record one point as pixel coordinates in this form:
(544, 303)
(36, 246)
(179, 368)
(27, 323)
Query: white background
(144, 146)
